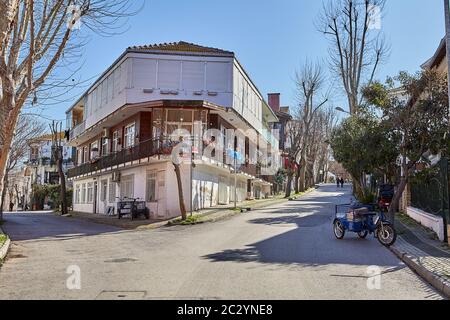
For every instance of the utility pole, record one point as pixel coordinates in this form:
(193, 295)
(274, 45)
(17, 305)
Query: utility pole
(447, 37)
(235, 180)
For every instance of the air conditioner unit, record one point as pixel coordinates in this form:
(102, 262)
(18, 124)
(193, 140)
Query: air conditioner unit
(116, 176)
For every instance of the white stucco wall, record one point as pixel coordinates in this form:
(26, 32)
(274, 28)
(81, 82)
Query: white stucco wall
(205, 188)
(433, 222)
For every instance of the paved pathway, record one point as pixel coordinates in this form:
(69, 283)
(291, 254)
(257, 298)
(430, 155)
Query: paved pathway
(285, 251)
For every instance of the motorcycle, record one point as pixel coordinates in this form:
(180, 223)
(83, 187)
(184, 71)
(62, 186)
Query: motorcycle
(363, 220)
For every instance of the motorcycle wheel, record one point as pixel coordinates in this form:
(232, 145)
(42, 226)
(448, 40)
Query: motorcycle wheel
(363, 234)
(386, 235)
(339, 230)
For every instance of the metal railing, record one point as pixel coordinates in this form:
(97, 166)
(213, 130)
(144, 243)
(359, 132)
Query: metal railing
(143, 150)
(146, 149)
(432, 194)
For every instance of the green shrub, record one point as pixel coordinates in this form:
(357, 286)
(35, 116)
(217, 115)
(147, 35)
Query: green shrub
(3, 239)
(41, 193)
(368, 197)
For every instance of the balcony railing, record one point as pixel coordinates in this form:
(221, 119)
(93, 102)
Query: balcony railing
(150, 148)
(77, 130)
(143, 150)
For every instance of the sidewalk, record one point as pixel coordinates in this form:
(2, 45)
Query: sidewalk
(419, 249)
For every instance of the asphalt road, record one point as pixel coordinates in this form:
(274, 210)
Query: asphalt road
(286, 251)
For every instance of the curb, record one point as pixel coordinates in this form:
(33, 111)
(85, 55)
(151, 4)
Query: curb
(259, 205)
(5, 248)
(232, 213)
(437, 282)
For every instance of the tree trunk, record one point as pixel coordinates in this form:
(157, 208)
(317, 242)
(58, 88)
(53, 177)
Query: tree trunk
(7, 133)
(62, 179)
(358, 190)
(180, 191)
(396, 199)
(302, 181)
(3, 196)
(289, 183)
(297, 180)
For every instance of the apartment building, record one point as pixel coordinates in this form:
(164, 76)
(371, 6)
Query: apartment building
(429, 202)
(125, 129)
(41, 165)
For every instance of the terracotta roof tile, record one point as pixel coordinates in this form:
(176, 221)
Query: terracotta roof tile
(180, 46)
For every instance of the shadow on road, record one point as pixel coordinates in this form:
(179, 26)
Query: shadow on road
(311, 242)
(46, 226)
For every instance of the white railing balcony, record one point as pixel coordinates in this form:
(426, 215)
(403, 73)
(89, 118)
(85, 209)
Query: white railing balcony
(77, 130)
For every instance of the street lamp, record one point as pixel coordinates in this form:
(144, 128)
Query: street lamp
(342, 110)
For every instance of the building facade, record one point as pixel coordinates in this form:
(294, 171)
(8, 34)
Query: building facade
(41, 164)
(171, 100)
(429, 202)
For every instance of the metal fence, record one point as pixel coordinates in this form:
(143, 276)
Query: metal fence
(432, 195)
(145, 149)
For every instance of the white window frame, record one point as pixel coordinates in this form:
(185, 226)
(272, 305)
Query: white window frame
(94, 154)
(77, 193)
(105, 146)
(90, 192)
(151, 177)
(83, 193)
(112, 191)
(115, 141)
(103, 190)
(130, 135)
(124, 193)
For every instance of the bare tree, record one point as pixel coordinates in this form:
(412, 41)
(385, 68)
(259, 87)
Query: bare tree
(310, 83)
(27, 129)
(37, 36)
(356, 48)
(294, 132)
(58, 156)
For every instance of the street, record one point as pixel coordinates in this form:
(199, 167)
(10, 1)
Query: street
(286, 251)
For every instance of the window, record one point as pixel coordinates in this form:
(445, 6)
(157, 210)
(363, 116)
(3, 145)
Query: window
(105, 144)
(90, 192)
(127, 187)
(104, 190)
(34, 153)
(112, 191)
(77, 194)
(130, 131)
(150, 190)
(83, 193)
(179, 119)
(94, 150)
(115, 141)
(85, 155)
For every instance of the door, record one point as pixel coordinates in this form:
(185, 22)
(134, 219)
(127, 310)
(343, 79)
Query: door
(95, 197)
(223, 190)
(161, 194)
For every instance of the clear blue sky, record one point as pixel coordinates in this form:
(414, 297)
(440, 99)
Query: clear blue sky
(270, 38)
